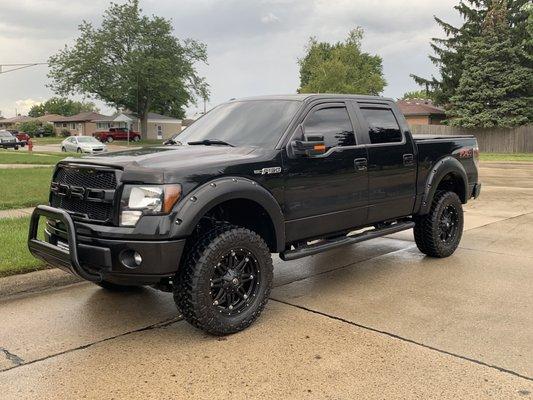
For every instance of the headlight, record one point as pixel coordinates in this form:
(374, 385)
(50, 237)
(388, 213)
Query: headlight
(139, 200)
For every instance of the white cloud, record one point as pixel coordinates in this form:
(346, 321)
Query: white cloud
(24, 105)
(269, 18)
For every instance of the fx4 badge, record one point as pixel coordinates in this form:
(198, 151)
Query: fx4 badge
(267, 171)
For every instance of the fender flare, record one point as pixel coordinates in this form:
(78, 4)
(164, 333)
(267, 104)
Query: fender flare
(439, 170)
(190, 210)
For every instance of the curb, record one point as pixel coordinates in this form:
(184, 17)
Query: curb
(33, 282)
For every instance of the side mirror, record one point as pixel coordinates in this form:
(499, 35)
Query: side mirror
(309, 145)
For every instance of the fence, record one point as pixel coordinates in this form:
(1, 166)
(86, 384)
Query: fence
(491, 140)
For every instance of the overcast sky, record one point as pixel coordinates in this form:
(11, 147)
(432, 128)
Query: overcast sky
(253, 45)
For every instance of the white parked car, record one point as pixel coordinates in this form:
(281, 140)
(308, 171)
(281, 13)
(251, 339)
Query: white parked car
(83, 144)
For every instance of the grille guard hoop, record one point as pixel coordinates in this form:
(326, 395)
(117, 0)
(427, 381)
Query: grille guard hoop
(54, 255)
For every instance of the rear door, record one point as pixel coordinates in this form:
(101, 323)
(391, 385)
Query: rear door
(326, 193)
(391, 163)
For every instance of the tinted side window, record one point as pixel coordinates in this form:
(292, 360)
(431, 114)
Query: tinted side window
(383, 127)
(332, 123)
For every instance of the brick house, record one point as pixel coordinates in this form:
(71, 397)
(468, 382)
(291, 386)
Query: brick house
(78, 125)
(421, 112)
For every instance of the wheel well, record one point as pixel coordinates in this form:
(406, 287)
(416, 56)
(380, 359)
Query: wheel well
(247, 214)
(453, 183)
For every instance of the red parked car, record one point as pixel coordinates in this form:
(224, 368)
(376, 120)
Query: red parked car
(117, 134)
(23, 137)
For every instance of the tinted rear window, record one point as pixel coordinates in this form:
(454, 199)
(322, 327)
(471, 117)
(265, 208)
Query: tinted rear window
(383, 127)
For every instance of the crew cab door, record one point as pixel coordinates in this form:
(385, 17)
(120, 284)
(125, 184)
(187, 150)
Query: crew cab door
(391, 162)
(326, 193)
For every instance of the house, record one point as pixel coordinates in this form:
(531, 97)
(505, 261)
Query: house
(77, 125)
(9, 123)
(159, 126)
(421, 112)
(48, 118)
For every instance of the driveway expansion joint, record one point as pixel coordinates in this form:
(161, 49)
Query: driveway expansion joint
(16, 360)
(407, 340)
(19, 362)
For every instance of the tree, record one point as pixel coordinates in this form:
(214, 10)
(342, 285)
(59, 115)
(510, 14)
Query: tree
(61, 106)
(418, 94)
(30, 127)
(340, 68)
(450, 52)
(131, 62)
(493, 88)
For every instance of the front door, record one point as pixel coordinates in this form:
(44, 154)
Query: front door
(391, 164)
(326, 193)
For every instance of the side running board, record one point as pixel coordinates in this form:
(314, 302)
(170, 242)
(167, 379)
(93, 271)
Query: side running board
(329, 244)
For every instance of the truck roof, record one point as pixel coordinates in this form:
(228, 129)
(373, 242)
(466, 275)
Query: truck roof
(312, 96)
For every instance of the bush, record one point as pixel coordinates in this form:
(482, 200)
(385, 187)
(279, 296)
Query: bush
(65, 132)
(34, 127)
(30, 127)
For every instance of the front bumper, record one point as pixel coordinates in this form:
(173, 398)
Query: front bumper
(97, 259)
(6, 145)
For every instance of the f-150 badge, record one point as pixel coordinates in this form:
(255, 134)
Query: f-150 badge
(267, 171)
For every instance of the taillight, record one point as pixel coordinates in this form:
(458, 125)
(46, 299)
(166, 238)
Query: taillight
(475, 150)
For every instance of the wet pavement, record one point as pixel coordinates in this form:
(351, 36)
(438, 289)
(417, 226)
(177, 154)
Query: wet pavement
(373, 320)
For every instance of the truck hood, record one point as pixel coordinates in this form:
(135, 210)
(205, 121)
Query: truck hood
(162, 163)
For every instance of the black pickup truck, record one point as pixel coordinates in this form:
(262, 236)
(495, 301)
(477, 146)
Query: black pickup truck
(294, 175)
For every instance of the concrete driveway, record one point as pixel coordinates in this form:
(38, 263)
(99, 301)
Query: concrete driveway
(374, 320)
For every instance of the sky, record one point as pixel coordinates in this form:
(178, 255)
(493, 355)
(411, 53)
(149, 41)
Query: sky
(253, 45)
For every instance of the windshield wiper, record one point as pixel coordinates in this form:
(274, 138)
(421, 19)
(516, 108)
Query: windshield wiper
(208, 142)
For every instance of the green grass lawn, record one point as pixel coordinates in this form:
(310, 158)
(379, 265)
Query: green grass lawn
(21, 188)
(24, 157)
(47, 140)
(15, 257)
(506, 157)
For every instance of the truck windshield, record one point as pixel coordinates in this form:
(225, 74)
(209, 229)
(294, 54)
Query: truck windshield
(242, 123)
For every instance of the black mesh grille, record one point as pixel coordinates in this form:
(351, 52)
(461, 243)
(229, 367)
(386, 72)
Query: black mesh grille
(87, 179)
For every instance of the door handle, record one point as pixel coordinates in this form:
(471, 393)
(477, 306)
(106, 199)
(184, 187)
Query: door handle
(408, 159)
(360, 164)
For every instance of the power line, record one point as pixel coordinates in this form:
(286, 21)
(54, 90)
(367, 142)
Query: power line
(16, 67)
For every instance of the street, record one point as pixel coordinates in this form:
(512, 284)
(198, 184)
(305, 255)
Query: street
(372, 320)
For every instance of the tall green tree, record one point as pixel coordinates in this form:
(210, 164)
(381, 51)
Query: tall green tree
(494, 88)
(340, 68)
(131, 61)
(450, 52)
(419, 94)
(61, 106)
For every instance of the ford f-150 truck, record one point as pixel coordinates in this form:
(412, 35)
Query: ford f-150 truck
(294, 175)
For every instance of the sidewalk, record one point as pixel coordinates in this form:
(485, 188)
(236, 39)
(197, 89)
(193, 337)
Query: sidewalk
(16, 213)
(23, 166)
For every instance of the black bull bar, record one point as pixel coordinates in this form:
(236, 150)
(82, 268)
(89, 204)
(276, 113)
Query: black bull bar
(59, 257)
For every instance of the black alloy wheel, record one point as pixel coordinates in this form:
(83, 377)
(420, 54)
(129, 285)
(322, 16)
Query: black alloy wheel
(235, 281)
(448, 224)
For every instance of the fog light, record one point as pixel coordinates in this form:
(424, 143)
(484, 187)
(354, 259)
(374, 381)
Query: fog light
(137, 258)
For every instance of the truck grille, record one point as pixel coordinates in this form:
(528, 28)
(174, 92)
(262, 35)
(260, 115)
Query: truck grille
(84, 191)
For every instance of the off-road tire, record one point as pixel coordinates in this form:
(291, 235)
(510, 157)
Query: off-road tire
(426, 231)
(192, 292)
(113, 287)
